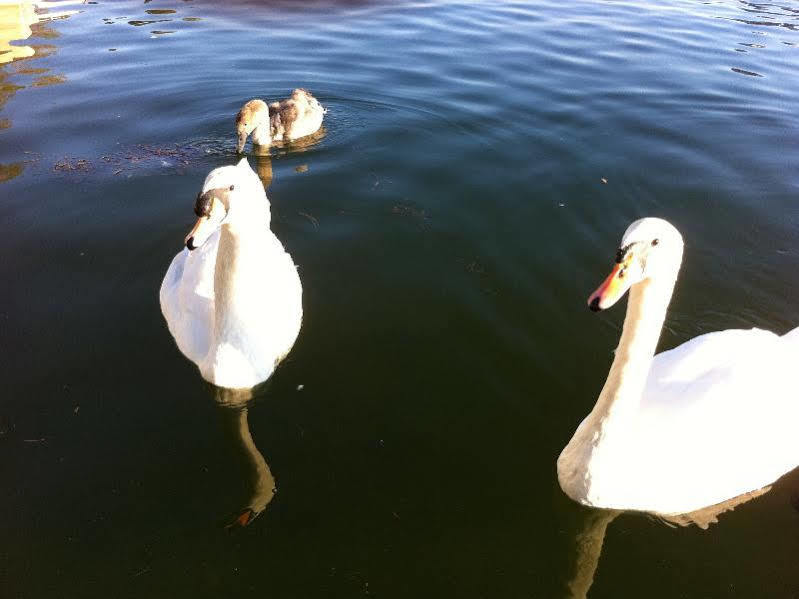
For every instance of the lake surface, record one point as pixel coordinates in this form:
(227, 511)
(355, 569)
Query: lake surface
(479, 164)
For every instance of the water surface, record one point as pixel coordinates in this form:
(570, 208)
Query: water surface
(479, 163)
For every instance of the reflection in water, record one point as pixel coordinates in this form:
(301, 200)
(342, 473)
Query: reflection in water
(17, 20)
(20, 21)
(9, 171)
(263, 166)
(590, 536)
(587, 548)
(262, 156)
(141, 22)
(300, 145)
(787, 17)
(168, 13)
(233, 411)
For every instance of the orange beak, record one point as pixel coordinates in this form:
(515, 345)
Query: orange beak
(244, 519)
(611, 289)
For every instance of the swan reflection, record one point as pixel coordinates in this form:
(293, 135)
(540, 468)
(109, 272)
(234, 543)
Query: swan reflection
(593, 523)
(263, 168)
(233, 410)
(302, 144)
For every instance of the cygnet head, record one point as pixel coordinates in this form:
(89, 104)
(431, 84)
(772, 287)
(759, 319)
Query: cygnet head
(253, 114)
(651, 248)
(231, 195)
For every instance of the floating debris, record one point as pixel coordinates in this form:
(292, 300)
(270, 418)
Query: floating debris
(141, 22)
(142, 157)
(46, 80)
(72, 165)
(313, 220)
(409, 209)
(745, 72)
(303, 168)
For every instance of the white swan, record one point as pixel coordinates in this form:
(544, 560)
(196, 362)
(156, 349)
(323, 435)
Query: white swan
(297, 116)
(691, 427)
(232, 299)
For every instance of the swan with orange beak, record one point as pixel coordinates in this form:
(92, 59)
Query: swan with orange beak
(692, 427)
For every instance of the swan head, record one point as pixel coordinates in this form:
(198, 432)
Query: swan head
(230, 195)
(651, 248)
(251, 116)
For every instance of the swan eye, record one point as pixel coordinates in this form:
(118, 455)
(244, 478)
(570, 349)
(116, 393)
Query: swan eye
(621, 273)
(231, 187)
(655, 242)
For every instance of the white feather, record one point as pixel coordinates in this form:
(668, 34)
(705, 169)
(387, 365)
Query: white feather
(691, 427)
(236, 324)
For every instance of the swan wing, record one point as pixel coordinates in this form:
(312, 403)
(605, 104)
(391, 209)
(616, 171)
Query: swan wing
(717, 368)
(187, 299)
(721, 409)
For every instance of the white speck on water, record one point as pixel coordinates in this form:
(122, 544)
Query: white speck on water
(300, 387)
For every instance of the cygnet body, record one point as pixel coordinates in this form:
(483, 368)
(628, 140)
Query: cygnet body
(295, 117)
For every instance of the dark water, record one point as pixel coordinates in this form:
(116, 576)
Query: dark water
(448, 227)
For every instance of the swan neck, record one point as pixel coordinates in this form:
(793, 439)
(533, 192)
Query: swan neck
(231, 264)
(646, 312)
(262, 134)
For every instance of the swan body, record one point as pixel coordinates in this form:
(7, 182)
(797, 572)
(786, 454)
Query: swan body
(695, 426)
(298, 116)
(232, 299)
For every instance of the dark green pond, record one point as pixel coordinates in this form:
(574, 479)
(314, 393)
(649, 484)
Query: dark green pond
(479, 164)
